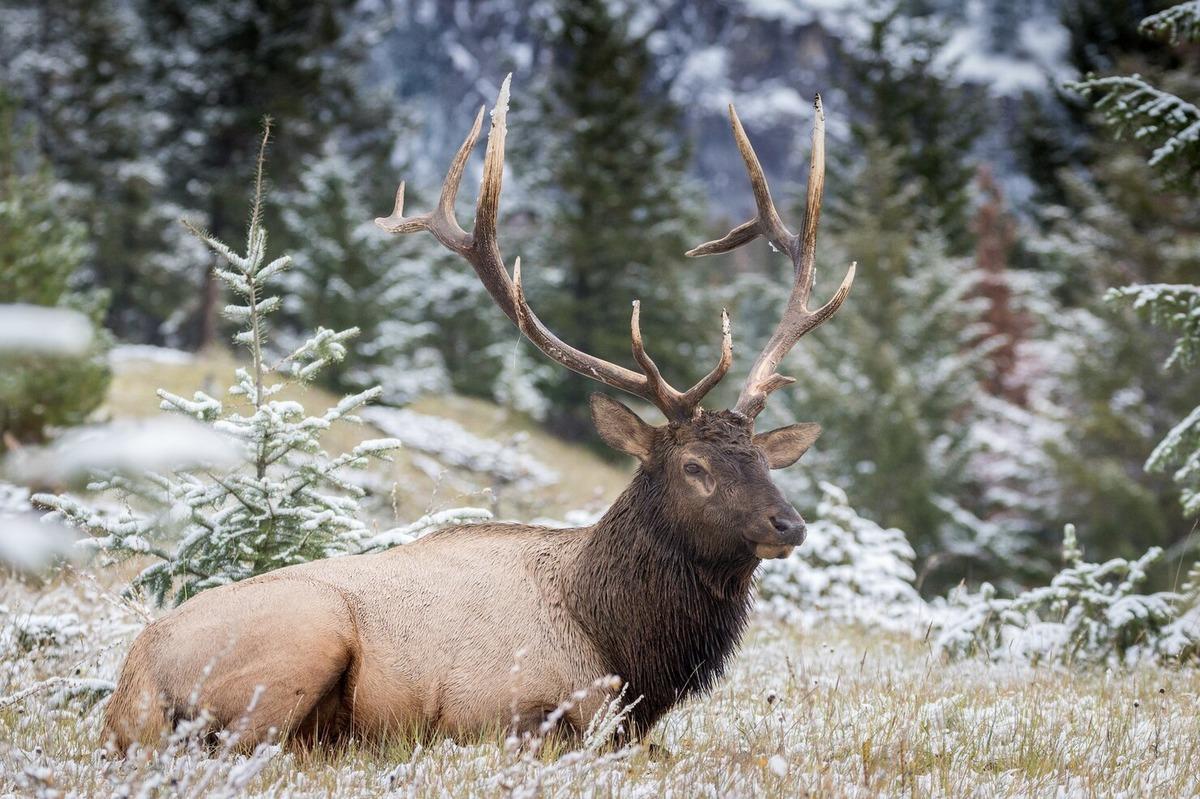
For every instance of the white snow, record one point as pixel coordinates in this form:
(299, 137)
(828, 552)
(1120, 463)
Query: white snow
(40, 330)
(29, 544)
(452, 444)
(145, 355)
(130, 447)
(425, 525)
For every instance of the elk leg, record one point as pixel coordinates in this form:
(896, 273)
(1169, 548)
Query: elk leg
(259, 668)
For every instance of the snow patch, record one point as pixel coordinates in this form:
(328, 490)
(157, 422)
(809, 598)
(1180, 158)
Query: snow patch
(36, 329)
(126, 356)
(452, 444)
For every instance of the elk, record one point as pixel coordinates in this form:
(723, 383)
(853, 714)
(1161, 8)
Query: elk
(422, 638)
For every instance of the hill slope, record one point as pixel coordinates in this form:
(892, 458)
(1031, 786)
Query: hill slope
(457, 450)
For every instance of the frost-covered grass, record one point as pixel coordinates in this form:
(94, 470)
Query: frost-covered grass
(833, 712)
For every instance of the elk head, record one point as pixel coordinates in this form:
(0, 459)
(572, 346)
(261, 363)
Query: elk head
(706, 471)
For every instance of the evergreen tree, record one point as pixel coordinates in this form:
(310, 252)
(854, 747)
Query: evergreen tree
(1131, 104)
(1117, 405)
(41, 249)
(909, 101)
(344, 274)
(909, 347)
(1105, 218)
(220, 67)
(77, 71)
(1172, 124)
(285, 502)
(1060, 138)
(612, 172)
(146, 108)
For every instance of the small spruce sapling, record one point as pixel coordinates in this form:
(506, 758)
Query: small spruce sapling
(287, 501)
(1090, 613)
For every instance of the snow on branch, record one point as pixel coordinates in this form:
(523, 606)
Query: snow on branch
(1090, 613)
(1172, 307)
(1180, 449)
(1177, 24)
(453, 517)
(1131, 105)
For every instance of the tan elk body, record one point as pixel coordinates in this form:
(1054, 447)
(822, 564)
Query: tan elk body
(493, 626)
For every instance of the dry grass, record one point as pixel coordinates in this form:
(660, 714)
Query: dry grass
(833, 712)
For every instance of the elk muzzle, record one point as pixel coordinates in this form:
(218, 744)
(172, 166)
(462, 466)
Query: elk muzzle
(783, 531)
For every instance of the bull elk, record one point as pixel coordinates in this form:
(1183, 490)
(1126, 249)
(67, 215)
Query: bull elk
(422, 637)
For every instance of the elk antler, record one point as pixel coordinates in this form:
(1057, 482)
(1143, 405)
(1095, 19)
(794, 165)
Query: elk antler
(481, 249)
(797, 318)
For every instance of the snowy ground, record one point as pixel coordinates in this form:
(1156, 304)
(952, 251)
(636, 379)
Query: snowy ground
(833, 712)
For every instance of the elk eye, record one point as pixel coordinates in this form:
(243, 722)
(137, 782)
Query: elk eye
(693, 468)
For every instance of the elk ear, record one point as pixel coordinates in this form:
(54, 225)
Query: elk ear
(785, 445)
(621, 428)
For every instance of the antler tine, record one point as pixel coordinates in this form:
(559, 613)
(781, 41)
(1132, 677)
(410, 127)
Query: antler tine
(441, 222)
(805, 267)
(481, 249)
(693, 395)
(686, 402)
(487, 207)
(797, 319)
(766, 222)
(665, 395)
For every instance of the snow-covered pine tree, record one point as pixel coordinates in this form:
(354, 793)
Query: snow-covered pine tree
(345, 274)
(42, 248)
(852, 571)
(1131, 105)
(1090, 613)
(1172, 124)
(286, 501)
(223, 63)
(78, 71)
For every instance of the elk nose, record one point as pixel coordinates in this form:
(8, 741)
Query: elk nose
(790, 526)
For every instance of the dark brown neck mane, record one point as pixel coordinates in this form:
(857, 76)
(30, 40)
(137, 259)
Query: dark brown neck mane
(664, 622)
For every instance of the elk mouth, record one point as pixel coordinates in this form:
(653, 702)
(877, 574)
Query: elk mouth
(775, 546)
(771, 551)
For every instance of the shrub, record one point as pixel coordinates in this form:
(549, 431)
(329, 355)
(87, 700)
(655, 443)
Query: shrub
(41, 249)
(1090, 613)
(850, 570)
